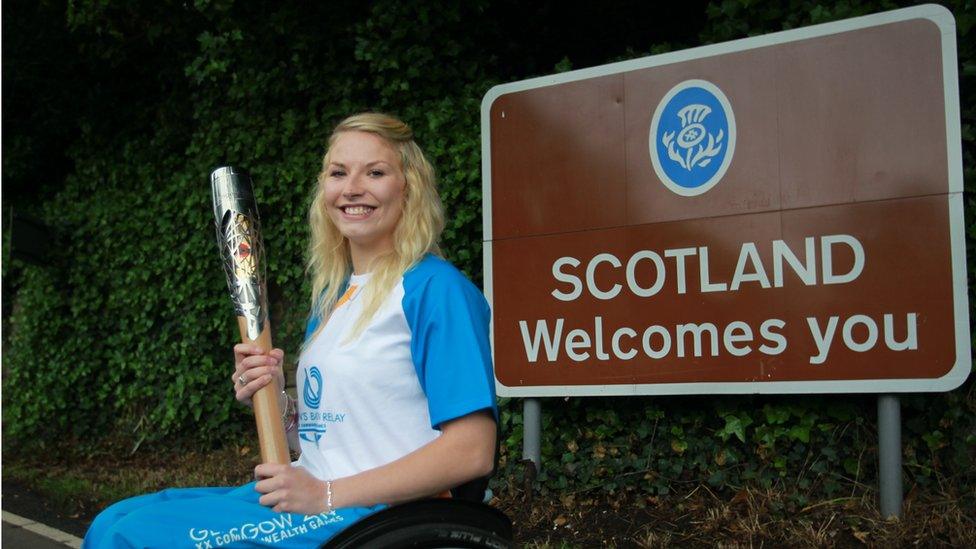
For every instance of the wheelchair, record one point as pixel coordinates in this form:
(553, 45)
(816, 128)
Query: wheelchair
(461, 521)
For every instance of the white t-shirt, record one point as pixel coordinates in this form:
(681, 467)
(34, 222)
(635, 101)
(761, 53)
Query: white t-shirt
(423, 359)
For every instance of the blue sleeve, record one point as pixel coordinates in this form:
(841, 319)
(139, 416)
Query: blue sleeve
(448, 318)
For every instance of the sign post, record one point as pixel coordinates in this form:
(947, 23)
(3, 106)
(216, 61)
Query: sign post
(779, 214)
(889, 455)
(532, 431)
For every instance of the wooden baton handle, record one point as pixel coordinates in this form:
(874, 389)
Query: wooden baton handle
(267, 412)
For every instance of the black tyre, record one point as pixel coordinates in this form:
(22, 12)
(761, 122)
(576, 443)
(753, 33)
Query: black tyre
(438, 523)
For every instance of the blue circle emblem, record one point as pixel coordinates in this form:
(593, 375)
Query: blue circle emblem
(312, 396)
(692, 137)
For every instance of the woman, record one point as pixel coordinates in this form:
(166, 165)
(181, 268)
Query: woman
(396, 393)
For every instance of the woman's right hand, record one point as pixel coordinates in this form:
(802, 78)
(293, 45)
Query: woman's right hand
(253, 369)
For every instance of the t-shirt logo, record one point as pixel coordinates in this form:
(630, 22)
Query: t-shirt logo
(313, 396)
(313, 423)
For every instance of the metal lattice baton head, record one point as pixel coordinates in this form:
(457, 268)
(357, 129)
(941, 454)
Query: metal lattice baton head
(241, 247)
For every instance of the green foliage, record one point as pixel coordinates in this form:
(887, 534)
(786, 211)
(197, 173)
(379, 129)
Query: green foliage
(129, 331)
(807, 447)
(126, 337)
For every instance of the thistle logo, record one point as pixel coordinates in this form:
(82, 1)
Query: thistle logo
(313, 397)
(692, 137)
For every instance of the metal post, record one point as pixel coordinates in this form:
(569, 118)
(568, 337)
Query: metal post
(889, 455)
(532, 431)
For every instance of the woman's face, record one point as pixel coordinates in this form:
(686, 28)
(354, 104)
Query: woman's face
(364, 192)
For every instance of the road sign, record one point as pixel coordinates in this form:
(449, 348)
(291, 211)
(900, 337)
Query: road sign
(775, 214)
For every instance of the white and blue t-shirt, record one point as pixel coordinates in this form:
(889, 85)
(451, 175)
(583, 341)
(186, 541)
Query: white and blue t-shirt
(423, 359)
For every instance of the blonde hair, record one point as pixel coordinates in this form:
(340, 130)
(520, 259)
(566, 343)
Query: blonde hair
(416, 234)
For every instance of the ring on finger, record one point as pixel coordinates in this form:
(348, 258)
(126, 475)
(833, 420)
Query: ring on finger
(242, 380)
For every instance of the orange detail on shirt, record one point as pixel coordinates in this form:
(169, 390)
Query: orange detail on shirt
(346, 296)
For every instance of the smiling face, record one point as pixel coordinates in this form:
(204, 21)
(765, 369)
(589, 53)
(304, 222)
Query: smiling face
(364, 192)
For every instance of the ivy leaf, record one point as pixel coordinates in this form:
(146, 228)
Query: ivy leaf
(800, 432)
(679, 446)
(776, 415)
(735, 425)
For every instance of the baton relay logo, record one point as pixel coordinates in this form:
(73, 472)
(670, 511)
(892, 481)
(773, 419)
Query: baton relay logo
(692, 137)
(310, 430)
(314, 422)
(313, 397)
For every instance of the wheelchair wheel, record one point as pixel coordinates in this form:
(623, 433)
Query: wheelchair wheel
(437, 523)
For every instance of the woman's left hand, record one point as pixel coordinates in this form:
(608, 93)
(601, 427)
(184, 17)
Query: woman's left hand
(290, 489)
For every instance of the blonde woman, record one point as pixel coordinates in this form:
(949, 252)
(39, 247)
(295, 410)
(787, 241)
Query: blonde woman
(396, 398)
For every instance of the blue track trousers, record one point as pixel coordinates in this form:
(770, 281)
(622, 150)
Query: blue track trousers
(212, 517)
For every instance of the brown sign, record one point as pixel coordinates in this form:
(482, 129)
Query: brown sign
(776, 214)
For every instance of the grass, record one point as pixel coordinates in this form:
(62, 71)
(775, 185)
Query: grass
(939, 516)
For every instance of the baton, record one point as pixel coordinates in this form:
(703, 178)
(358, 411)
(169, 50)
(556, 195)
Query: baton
(242, 254)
